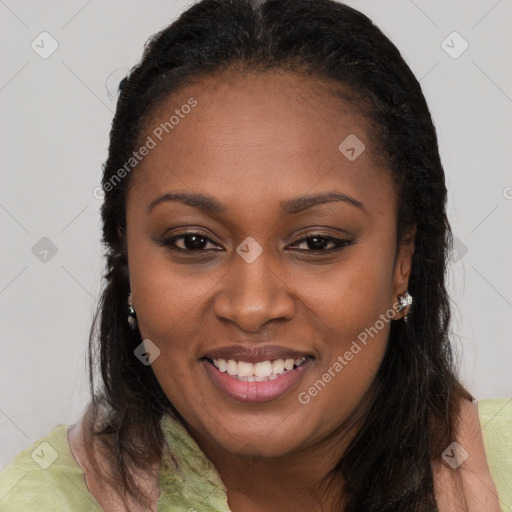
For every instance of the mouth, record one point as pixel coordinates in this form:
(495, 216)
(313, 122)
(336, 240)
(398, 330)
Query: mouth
(256, 381)
(257, 372)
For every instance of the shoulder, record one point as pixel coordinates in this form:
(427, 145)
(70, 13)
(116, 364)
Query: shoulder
(462, 475)
(495, 417)
(45, 477)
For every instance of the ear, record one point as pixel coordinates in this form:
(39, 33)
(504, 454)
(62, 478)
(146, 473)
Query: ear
(403, 266)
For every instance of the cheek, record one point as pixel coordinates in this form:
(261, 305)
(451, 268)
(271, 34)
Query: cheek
(167, 301)
(167, 296)
(352, 297)
(351, 312)
(168, 313)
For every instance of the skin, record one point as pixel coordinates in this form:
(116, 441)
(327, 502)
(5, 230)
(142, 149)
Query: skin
(251, 142)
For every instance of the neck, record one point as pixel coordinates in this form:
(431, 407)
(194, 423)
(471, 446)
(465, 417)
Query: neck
(301, 480)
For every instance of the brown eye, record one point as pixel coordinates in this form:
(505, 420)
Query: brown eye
(320, 243)
(190, 242)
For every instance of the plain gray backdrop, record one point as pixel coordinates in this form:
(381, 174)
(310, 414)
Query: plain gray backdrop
(60, 59)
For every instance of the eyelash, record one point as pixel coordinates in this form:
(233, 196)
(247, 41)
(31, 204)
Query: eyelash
(340, 243)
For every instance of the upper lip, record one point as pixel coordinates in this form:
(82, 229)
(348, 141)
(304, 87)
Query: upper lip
(255, 354)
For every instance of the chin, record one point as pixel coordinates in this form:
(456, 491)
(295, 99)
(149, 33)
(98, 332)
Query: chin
(260, 436)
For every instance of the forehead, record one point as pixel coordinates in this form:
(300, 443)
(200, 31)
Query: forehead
(255, 138)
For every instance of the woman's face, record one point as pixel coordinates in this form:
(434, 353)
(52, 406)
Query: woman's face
(246, 285)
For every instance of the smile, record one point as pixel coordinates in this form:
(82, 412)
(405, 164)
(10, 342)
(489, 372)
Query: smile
(257, 372)
(262, 381)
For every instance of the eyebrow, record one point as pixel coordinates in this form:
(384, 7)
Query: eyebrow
(210, 205)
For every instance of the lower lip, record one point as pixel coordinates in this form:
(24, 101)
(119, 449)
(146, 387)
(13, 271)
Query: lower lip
(258, 391)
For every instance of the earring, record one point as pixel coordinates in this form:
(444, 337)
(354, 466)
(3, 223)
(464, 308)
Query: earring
(405, 301)
(132, 319)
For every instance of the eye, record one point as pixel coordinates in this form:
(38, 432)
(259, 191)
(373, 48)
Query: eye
(190, 241)
(198, 242)
(317, 242)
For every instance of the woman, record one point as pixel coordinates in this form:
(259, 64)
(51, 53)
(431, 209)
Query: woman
(273, 334)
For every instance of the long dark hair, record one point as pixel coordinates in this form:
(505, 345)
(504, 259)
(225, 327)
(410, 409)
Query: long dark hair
(414, 408)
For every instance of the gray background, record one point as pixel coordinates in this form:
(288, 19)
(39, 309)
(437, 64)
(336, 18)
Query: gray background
(56, 114)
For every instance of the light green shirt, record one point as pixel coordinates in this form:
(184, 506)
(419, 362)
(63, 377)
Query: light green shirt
(46, 477)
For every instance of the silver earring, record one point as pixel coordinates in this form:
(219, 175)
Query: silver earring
(132, 319)
(405, 301)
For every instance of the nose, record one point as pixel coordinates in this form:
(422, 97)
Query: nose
(252, 294)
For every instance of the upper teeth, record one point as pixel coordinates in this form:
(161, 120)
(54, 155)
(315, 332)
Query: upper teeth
(262, 369)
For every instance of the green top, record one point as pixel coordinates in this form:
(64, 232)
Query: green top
(46, 477)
